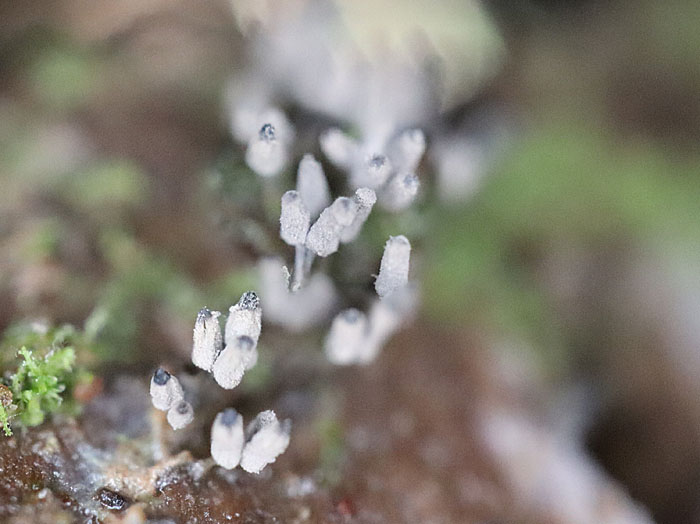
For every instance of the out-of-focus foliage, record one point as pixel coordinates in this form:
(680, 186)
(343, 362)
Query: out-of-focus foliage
(561, 187)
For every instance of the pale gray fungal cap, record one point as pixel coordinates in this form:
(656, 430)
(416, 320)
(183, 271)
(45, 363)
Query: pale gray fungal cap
(244, 319)
(400, 192)
(180, 414)
(346, 337)
(234, 361)
(312, 185)
(393, 270)
(294, 219)
(227, 438)
(266, 155)
(207, 340)
(364, 198)
(338, 147)
(165, 390)
(266, 439)
(324, 235)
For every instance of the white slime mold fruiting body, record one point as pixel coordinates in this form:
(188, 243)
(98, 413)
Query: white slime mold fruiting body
(400, 192)
(266, 439)
(294, 219)
(365, 198)
(346, 337)
(234, 361)
(165, 390)
(312, 185)
(324, 235)
(207, 340)
(244, 319)
(266, 155)
(180, 414)
(393, 270)
(227, 438)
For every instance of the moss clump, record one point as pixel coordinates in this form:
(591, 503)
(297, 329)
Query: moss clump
(43, 381)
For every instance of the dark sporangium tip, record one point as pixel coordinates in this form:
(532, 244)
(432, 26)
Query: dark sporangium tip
(204, 314)
(249, 300)
(229, 417)
(183, 407)
(267, 132)
(160, 377)
(377, 161)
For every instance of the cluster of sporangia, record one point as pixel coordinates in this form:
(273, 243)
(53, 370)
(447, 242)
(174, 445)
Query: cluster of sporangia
(227, 359)
(314, 226)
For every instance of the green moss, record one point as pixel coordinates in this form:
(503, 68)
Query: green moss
(45, 377)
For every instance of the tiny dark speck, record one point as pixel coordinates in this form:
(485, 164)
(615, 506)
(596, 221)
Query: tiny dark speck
(111, 499)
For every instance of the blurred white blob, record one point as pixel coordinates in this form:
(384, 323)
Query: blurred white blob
(244, 319)
(227, 438)
(266, 154)
(372, 172)
(459, 162)
(165, 390)
(249, 108)
(234, 361)
(393, 270)
(347, 334)
(180, 414)
(553, 475)
(358, 339)
(266, 439)
(309, 306)
(312, 185)
(339, 148)
(400, 192)
(407, 149)
(207, 340)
